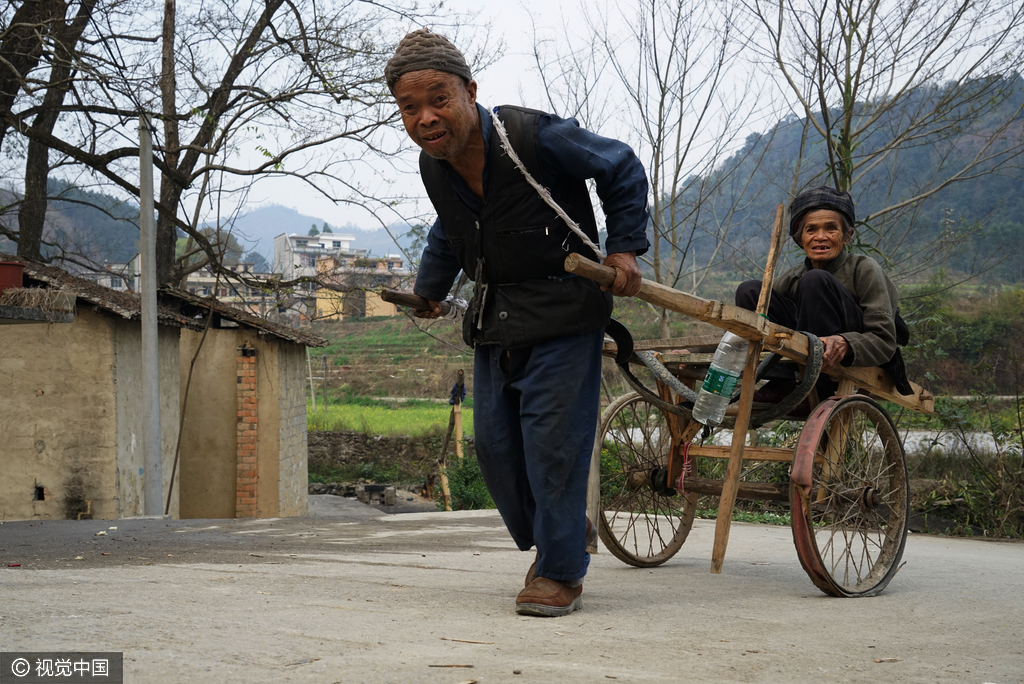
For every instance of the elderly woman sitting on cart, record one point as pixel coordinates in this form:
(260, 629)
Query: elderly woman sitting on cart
(845, 299)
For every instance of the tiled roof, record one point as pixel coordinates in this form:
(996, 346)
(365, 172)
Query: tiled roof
(245, 318)
(129, 305)
(124, 304)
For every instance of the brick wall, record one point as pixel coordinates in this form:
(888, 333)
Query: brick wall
(247, 427)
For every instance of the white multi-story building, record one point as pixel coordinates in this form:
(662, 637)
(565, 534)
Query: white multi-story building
(295, 256)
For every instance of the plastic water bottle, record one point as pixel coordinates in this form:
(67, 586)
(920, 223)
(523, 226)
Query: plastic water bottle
(721, 380)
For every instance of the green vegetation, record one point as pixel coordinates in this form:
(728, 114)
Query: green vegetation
(964, 341)
(378, 473)
(466, 484)
(329, 474)
(375, 472)
(741, 515)
(379, 418)
(981, 490)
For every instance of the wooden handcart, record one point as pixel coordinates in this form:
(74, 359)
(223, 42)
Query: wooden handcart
(847, 485)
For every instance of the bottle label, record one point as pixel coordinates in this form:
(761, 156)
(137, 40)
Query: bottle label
(719, 382)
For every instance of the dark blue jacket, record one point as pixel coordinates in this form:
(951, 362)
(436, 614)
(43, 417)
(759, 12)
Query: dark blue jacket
(515, 244)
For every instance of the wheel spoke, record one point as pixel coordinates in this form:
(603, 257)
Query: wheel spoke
(638, 526)
(857, 520)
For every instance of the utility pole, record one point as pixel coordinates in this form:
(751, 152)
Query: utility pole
(153, 484)
(312, 389)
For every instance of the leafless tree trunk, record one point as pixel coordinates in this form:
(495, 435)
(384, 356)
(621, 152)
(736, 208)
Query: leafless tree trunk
(32, 212)
(170, 191)
(21, 44)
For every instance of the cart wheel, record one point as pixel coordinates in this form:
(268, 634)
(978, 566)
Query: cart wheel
(638, 525)
(849, 497)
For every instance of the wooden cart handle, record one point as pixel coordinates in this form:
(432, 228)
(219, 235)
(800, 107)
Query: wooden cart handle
(412, 301)
(744, 323)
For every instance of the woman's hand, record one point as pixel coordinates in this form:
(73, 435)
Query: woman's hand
(836, 350)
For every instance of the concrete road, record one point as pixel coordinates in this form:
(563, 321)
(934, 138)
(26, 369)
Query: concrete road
(353, 595)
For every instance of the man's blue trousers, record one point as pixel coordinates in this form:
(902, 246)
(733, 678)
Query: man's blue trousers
(535, 412)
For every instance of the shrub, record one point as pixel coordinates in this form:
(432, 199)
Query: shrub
(987, 494)
(466, 484)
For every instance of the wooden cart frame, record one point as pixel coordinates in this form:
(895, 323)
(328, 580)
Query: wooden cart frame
(848, 483)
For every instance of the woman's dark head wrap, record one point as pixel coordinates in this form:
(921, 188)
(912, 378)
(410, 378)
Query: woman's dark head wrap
(822, 197)
(421, 50)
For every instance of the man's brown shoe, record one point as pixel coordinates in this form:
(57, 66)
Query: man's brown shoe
(591, 540)
(549, 598)
(533, 567)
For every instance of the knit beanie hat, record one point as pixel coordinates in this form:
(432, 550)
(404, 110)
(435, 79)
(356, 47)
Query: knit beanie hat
(822, 197)
(422, 50)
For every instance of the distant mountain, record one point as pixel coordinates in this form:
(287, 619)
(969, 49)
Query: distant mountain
(102, 228)
(983, 212)
(258, 228)
(90, 224)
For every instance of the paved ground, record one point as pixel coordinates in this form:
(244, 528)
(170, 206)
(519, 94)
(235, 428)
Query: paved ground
(353, 595)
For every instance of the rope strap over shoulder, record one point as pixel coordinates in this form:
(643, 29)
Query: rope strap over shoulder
(541, 190)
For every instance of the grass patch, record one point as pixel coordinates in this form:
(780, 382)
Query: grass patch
(329, 474)
(377, 473)
(738, 515)
(380, 418)
(466, 485)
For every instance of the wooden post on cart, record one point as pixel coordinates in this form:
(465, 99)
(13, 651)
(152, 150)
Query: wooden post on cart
(739, 434)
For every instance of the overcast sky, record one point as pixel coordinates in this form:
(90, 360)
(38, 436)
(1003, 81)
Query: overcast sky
(512, 79)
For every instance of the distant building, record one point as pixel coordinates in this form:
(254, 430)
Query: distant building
(258, 300)
(252, 298)
(329, 258)
(295, 256)
(351, 286)
(119, 277)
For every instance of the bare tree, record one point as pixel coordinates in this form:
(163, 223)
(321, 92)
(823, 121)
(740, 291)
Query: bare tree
(665, 70)
(891, 89)
(244, 91)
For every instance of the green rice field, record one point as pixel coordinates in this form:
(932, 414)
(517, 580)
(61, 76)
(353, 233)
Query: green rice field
(413, 419)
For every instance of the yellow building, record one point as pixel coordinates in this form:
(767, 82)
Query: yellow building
(350, 287)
